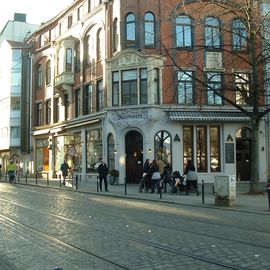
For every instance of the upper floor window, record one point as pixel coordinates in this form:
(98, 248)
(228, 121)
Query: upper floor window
(130, 29)
(39, 114)
(239, 35)
(242, 87)
(39, 75)
(70, 19)
(183, 31)
(100, 95)
(77, 57)
(48, 112)
(60, 61)
(99, 44)
(56, 113)
(87, 99)
(149, 29)
(185, 87)
(212, 32)
(129, 87)
(115, 35)
(115, 88)
(87, 47)
(68, 60)
(214, 86)
(77, 102)
(143, 86)
(48, 72)
(80, 13)
(89, 5)
(156, 86)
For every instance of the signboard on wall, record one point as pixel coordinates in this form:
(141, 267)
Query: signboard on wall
(229, 152)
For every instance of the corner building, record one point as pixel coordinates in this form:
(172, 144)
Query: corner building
(119, 80)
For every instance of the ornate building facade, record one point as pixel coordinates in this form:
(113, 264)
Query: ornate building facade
(128, 80)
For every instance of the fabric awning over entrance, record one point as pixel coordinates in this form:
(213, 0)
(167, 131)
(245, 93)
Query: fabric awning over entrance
(208, 116)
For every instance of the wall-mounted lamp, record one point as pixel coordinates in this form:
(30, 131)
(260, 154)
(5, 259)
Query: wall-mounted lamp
(115, 151)
(262, 148)
(149, 150)
(176, 138)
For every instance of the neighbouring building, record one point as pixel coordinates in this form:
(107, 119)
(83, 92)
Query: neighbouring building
(128, 80)
(15, 92)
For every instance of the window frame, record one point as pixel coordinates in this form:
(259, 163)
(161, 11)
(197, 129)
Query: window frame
(214, 83)
(183, 25)
(152, 23)
(128, 24)
(184, 83)
(239, 41)
(213, 26)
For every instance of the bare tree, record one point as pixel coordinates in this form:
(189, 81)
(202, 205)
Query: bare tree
(235, 44)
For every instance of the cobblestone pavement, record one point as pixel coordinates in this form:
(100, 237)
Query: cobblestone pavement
(42, 228)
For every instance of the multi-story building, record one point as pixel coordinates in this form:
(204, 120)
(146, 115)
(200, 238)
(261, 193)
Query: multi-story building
(15, 91)
(129, 80)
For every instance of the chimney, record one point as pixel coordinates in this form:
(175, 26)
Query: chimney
(20, 17)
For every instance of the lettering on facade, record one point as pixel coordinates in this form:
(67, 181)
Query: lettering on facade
(128, 117)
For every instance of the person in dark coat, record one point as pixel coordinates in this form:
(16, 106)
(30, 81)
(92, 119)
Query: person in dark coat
(103, 172)
(64, 169)
(155, 175)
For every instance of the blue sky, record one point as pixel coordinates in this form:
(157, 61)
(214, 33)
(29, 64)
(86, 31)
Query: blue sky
(37, 11)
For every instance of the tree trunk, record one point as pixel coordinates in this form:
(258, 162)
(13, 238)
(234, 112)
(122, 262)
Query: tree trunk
(254, 178)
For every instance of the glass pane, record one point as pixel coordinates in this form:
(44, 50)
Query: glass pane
(201, 149)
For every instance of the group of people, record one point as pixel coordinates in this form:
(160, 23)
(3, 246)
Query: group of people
(157, 171)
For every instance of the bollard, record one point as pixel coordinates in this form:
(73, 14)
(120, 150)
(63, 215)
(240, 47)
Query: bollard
(60, 180)
(125, 186)
(202, 191)
(76, 181)
(160, 189)
(97, 184)
(47, 179)
(268, 191)
(26, 175)
(36, 177)
(18, 177)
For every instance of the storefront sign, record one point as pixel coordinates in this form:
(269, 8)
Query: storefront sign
(130, 115)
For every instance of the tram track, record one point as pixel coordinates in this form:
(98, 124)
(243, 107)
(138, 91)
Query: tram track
(126, 237)
(15, 226)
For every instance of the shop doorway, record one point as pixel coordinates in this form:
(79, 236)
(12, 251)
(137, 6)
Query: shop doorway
(243, 154)
(134, 156)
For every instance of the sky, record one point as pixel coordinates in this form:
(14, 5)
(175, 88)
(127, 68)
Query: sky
(37, 11)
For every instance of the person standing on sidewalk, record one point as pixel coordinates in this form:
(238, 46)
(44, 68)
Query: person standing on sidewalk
(191, 177)
(11, 169)
(103, 172)
(64, 169)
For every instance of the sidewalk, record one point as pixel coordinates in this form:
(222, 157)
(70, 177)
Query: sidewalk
(244, 202)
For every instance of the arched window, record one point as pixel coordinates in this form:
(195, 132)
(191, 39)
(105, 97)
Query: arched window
(244, 133)
(39, 76)
(48, 72)
(212, 33)
(183, 31)
(239, 35)
(130, 29)
(99, 43)
(163, 144)
(68, 60)
(115, 35)
(149, 29)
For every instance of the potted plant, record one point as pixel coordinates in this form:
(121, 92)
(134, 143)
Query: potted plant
(114, 177)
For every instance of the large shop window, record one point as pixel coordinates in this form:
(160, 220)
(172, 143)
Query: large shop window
(214, 149)
(201, 137)
(185, 87)
(42, 155)
(94, 149)
(204, 155)
(188, 149)
(77, 158)
(163, 144)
